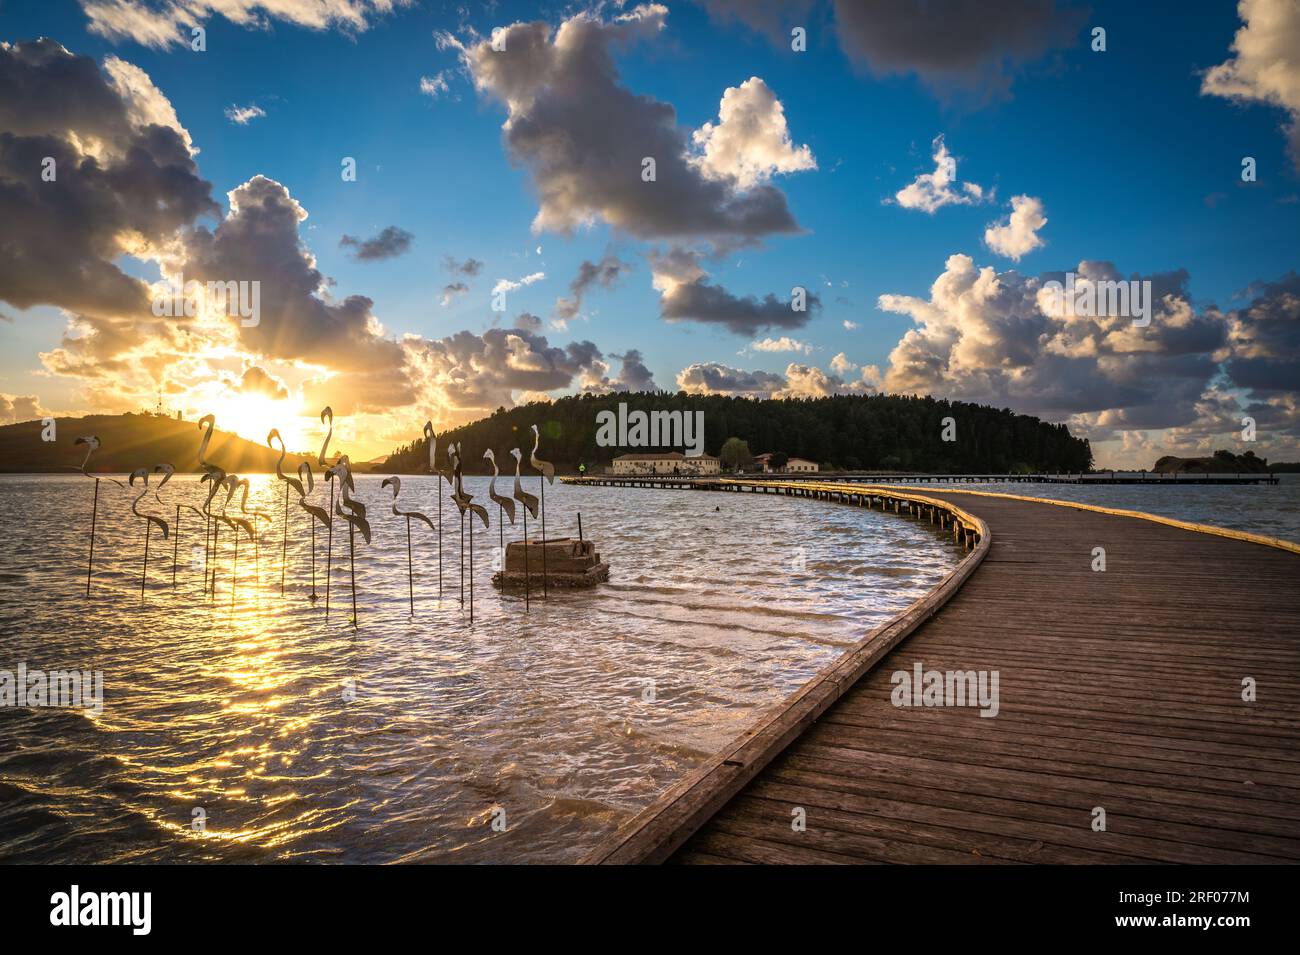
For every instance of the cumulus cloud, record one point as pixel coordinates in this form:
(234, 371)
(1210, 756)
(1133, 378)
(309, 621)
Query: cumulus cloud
(1265, 66)
(388, 244)
(582, 136)
(1017, 235)
(528, 322)
(751, 141)
(798, 381)
(243, 115)
(1264, 339)
(604, 273)
(258, 381)
(712, 378)
(993, 338)
(258, 241)
(163, 24)
(931, 191)
(782, 344)
(126, 178)
(633, 374)
(479, 373)
(686, 294)
(16, 408)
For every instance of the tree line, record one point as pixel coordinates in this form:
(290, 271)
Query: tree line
(849, 432)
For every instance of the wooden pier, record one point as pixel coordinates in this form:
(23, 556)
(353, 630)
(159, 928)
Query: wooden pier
(1120, 692)
(867, 477)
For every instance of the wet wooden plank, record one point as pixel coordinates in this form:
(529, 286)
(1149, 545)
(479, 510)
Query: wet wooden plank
(1119, 689)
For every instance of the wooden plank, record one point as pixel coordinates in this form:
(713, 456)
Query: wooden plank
(1119, 689)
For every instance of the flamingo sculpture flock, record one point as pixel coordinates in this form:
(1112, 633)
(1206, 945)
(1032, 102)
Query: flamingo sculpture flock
(216, 512)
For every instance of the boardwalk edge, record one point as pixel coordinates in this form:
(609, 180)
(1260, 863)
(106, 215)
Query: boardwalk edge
(659, 830)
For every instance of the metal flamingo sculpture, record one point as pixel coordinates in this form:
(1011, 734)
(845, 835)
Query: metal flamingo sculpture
(217, 520)
(505, 506)
(257, 545)
(149, 522)
(530, 507)
(327, 412)
(320, 514)
(232, 484)
(167, 471)
(396, 484)
(342, 470)
(92, 445)
(465, 503)
(216, 475)
(548, 473)
(356, 518)
(274, 435)
(432, 440)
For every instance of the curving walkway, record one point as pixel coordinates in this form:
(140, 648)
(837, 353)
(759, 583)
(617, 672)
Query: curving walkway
(1119, 690)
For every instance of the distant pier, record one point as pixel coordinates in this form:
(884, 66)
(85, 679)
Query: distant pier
(1123, 731)
(1098, 477)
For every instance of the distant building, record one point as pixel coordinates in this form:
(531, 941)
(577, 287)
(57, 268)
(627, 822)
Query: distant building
(667, 464)
(763, 462)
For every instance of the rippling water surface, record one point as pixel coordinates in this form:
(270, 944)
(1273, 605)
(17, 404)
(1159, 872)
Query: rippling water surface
(1270, 509)
(304, 740)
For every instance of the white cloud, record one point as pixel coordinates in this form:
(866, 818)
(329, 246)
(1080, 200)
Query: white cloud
(931, 191)
(782, 344)
(1017, 235)
(850, 326)
(243, 115)
(505, 285)
(1265, 66)
(167, 23)
(750, 142)
(434, 85)
(145, 103)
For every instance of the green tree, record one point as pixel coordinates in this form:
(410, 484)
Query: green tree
(735, 454)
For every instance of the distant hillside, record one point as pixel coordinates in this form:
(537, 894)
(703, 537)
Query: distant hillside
(1222, 462)
(891, 432)
(131, 441)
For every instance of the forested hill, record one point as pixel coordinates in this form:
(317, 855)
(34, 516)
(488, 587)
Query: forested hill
(842, 431)
(131, 441)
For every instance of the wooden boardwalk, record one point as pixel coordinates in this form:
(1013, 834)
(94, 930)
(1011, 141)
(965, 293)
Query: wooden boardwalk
(1119, 690)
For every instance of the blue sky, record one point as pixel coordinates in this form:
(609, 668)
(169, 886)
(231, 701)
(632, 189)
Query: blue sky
(1131, 162)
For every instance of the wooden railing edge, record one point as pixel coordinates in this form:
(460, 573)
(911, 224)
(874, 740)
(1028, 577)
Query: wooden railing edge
(1280, 543)
(659, 830)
